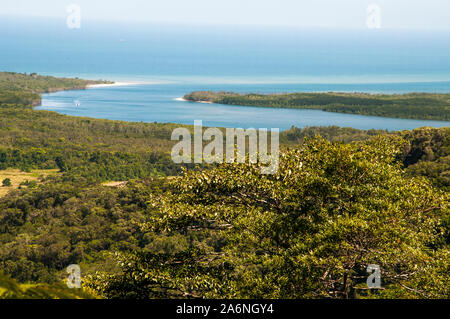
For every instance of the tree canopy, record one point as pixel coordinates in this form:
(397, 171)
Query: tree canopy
(308, 231)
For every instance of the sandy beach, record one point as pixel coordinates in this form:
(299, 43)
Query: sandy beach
(184, 100)
(114, 84)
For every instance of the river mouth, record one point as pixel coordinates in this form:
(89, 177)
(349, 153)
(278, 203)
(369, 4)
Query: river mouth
(161, 103)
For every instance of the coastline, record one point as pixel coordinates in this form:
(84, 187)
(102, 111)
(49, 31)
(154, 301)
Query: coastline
(155, 103)
(181, 99)
(406, 105)
(89, 86)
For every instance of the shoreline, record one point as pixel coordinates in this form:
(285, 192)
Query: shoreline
(181, 99)
(89, 86)
(365, 104)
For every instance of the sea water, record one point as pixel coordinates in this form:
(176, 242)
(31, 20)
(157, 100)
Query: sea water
(169, 61)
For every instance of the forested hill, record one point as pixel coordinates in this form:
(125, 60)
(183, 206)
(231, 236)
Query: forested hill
(413, 105)
(341, 199)
(24, 89)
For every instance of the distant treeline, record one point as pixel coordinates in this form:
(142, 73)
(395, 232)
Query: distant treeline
(413, 105)
(23, 89)
(84, 149)
(100, 150)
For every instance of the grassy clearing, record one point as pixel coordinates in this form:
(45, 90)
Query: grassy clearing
(17, 177)
(115, 184)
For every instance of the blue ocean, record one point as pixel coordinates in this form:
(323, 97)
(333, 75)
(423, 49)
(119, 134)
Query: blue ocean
(167, 61)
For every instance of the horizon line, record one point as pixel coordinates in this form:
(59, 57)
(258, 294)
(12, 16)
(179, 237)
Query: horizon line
(138, 22)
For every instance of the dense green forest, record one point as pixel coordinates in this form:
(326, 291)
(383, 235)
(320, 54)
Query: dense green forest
(308, 231)
(412, 105)
(83, 148)
(342, 199)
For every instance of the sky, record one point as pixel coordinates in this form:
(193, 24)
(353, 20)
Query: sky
(394, 14)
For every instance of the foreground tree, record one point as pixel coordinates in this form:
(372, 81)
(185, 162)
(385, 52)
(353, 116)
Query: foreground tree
(309, 231)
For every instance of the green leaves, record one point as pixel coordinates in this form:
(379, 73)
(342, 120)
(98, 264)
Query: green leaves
(10, 289)
(308, 231)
